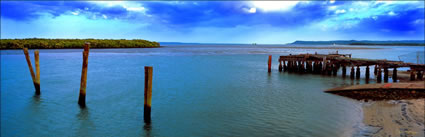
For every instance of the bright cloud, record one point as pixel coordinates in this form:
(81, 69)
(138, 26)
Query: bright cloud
(274, 5)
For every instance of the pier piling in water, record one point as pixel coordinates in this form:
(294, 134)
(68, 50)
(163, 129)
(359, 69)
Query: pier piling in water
(358, 72)
(352, 72)
(37, 72)
(280, 66)
(83, 83)
(34, 79)
(420, 75)
(270, 63)
(385, 74)
(367, 74)
(379, 76)
(344, 71)
(148, 94)
(395, 75)
(412, 75)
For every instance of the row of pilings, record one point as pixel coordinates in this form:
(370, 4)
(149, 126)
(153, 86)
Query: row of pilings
(331, 63)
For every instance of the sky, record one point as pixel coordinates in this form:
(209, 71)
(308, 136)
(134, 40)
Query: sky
(266, 22)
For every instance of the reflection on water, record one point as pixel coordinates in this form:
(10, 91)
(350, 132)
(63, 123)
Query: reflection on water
(197, 91)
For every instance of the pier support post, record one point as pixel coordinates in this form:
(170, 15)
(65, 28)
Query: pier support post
(375, 70)
(270, 64)
(280, 66)
(385, 74)
(412, 75)
(395, 74)
(328, 68)
(37, 72)
(285, 68)
(420, 75)
(83, 84)
(148, 94)
(344, 71)
(367, 74)
(34, 79)
(379, 76)
(320, 67)
(352, 72)
(334, 69)
(358, 72)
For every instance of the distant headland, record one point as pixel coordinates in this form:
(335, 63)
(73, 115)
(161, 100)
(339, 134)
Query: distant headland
(364, 42)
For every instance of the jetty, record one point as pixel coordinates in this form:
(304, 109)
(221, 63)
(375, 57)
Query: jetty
(329, 64)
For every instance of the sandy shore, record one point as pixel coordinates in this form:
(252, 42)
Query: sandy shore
(403, 118)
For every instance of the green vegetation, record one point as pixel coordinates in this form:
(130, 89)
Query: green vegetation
(36, 43)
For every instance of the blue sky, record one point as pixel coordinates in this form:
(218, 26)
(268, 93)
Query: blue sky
(270, 22)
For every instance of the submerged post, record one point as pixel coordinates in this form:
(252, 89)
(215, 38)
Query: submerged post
(270, 63)
(148, 94)
(352, 72)
(83, 84)
(385, 74)
(395, 74)
(375, 70)
(37, 73)
(27, 57)
(344, 71)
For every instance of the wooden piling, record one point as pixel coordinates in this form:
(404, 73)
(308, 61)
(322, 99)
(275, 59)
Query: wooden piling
(37, 72)
(334, 69)
(284, 66)
(385, 74)
(280, 66)
(148, 94)
(358, 72)
(34, 79)
(352, 72)
(420, 75)
(83, 83)
(344, 71)
(367, 74)
(412, 75)
(395, 74)
(270, 63)
(379, 76)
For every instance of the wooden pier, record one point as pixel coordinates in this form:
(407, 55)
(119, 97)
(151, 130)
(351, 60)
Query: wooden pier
(329, 64)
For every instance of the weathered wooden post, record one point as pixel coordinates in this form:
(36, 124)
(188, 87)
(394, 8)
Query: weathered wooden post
(367, 74)
(148, 94)
(420, 75)
(344, 70)
(270, 63)
(358, 72)
(385, 74)
(285, 67)
(395, 74)
(334, 69)
(375, 70)
(83, 84)
(379, 76)
(352, 72)
(280, 66)
(37, 72)
(412, 74)
(34, 79)
(329, 68)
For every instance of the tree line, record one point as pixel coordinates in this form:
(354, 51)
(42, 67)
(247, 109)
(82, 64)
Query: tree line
(38, 43)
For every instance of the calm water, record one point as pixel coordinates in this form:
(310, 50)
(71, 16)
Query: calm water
(197, 91)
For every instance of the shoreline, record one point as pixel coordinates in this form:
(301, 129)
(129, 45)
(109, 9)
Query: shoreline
(394, 118)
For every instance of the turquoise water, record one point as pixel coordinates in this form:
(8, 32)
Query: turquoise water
(200, 90)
